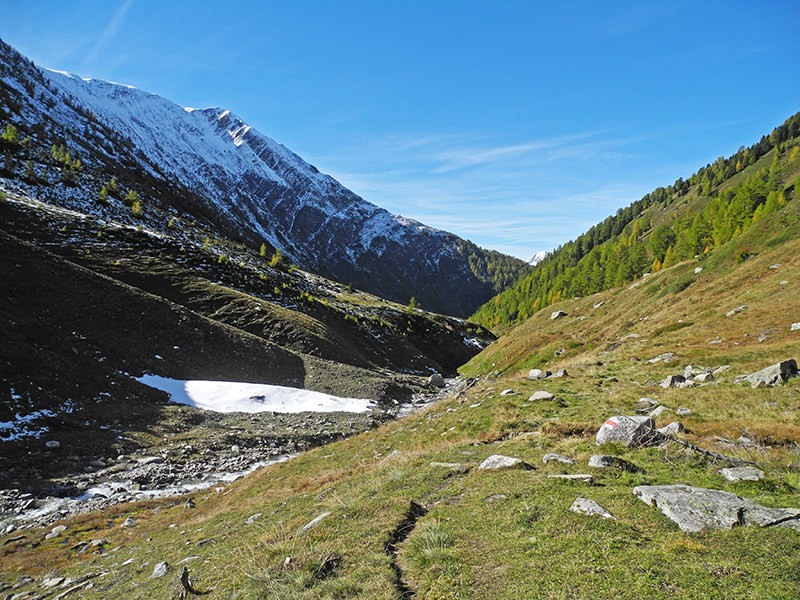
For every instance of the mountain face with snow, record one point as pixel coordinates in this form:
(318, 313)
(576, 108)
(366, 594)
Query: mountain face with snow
(209, 165)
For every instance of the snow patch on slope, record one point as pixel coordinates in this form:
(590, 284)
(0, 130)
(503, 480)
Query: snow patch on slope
(228, 396)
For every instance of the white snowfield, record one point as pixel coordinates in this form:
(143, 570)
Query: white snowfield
(230, 396)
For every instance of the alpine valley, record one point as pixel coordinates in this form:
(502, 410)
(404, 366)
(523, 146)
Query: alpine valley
(634, 431)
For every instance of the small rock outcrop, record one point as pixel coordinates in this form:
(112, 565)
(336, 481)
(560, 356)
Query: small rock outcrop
(541, 395)
(673, 381)
(584, 506)
(538, 374)
(630, 431)
(557, 314)
(498, 462)
(694, 508)
(771, 376)
(436, 380)
(552, 456)
(742, 474)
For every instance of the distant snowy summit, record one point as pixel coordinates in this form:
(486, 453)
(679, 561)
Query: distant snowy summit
(537, 258)
(249, 186)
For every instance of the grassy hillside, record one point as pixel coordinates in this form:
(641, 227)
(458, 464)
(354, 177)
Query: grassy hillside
(403, 509)
(692, 217)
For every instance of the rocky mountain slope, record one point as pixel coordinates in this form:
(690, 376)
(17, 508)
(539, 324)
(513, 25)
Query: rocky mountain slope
(209, 165)
(521, 483)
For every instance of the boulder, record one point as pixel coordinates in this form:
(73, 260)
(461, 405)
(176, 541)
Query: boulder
(795, 327)
(538, 374)
(606, 461)
(160, 569)
(771, 376)
(497, 462)
(541, 395)
(673, 428)
(552, 456)
(736, 310)
(507, 392)
(695, 508)
(683, 411)
(742, 474)
(584, 506)
(557, 315)
(673, 381)
(703, 377)
(630, 431)
(561, 373)
(436, 380)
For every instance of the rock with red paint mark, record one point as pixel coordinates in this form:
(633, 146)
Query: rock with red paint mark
(629, 431)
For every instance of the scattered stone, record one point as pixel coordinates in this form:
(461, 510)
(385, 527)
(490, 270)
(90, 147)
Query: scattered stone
(497, 462)
(559, 352)
(630, 431)
(771, 376)
(657, 411)
(775, 267)
(673, 428)
(584, 506)
(252, 519)
(599, 304)
(129, 522)
(495, 498)
(508, 392)
(783, 282)
(160, 569)
(666, 357)
(742, 474)
(683, 411)
(557, 315)
(578, 477)
(560, 373)
(644, 405)
(53, 444)
(552, 456)
(541, 395)
(315, 521)
(606, 461)
(673, 381)
(736, 310)
(436, 380)
(795, 327)
(698, 270)
(703, 377)
(52, 582)
(720, 369)
(689, 383)
(538, 374)
(695, 508)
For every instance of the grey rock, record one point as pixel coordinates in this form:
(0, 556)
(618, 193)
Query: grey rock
(630, 431)
(495, 498)
(606, 461)
(736, 310)
(561, 373)
(689, 383)
(673, 428)
(52, 444)
(683, 411)
(644, 405)
(584, 506)
(497, 462)
(694, 508)
(657, 411)
(578, 477)
(52, 582)
(666, 357)
(315, 521)
(436, 380)
(771, 376)
(541, 395)
(160, 569)
(508, 392)
(703, 377)
(552, 456)
(252, 518)
(538, 374)
(742, 474)
(673, 381)
(558, 314)
(129, 522)
(795, 327)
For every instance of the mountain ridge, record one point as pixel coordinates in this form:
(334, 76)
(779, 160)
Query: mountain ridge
(250, 185)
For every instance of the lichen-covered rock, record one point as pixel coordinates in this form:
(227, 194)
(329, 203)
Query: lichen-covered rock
(695, 508)
(552, 456)
(497, 462)
(584, 506)
(742, 474)
(630, 431)
(771, 376)
(541, 395)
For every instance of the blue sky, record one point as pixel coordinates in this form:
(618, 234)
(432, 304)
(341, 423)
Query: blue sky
(517, 125)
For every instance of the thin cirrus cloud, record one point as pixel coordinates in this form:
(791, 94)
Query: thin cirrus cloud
(516, 198)
(107, 35)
